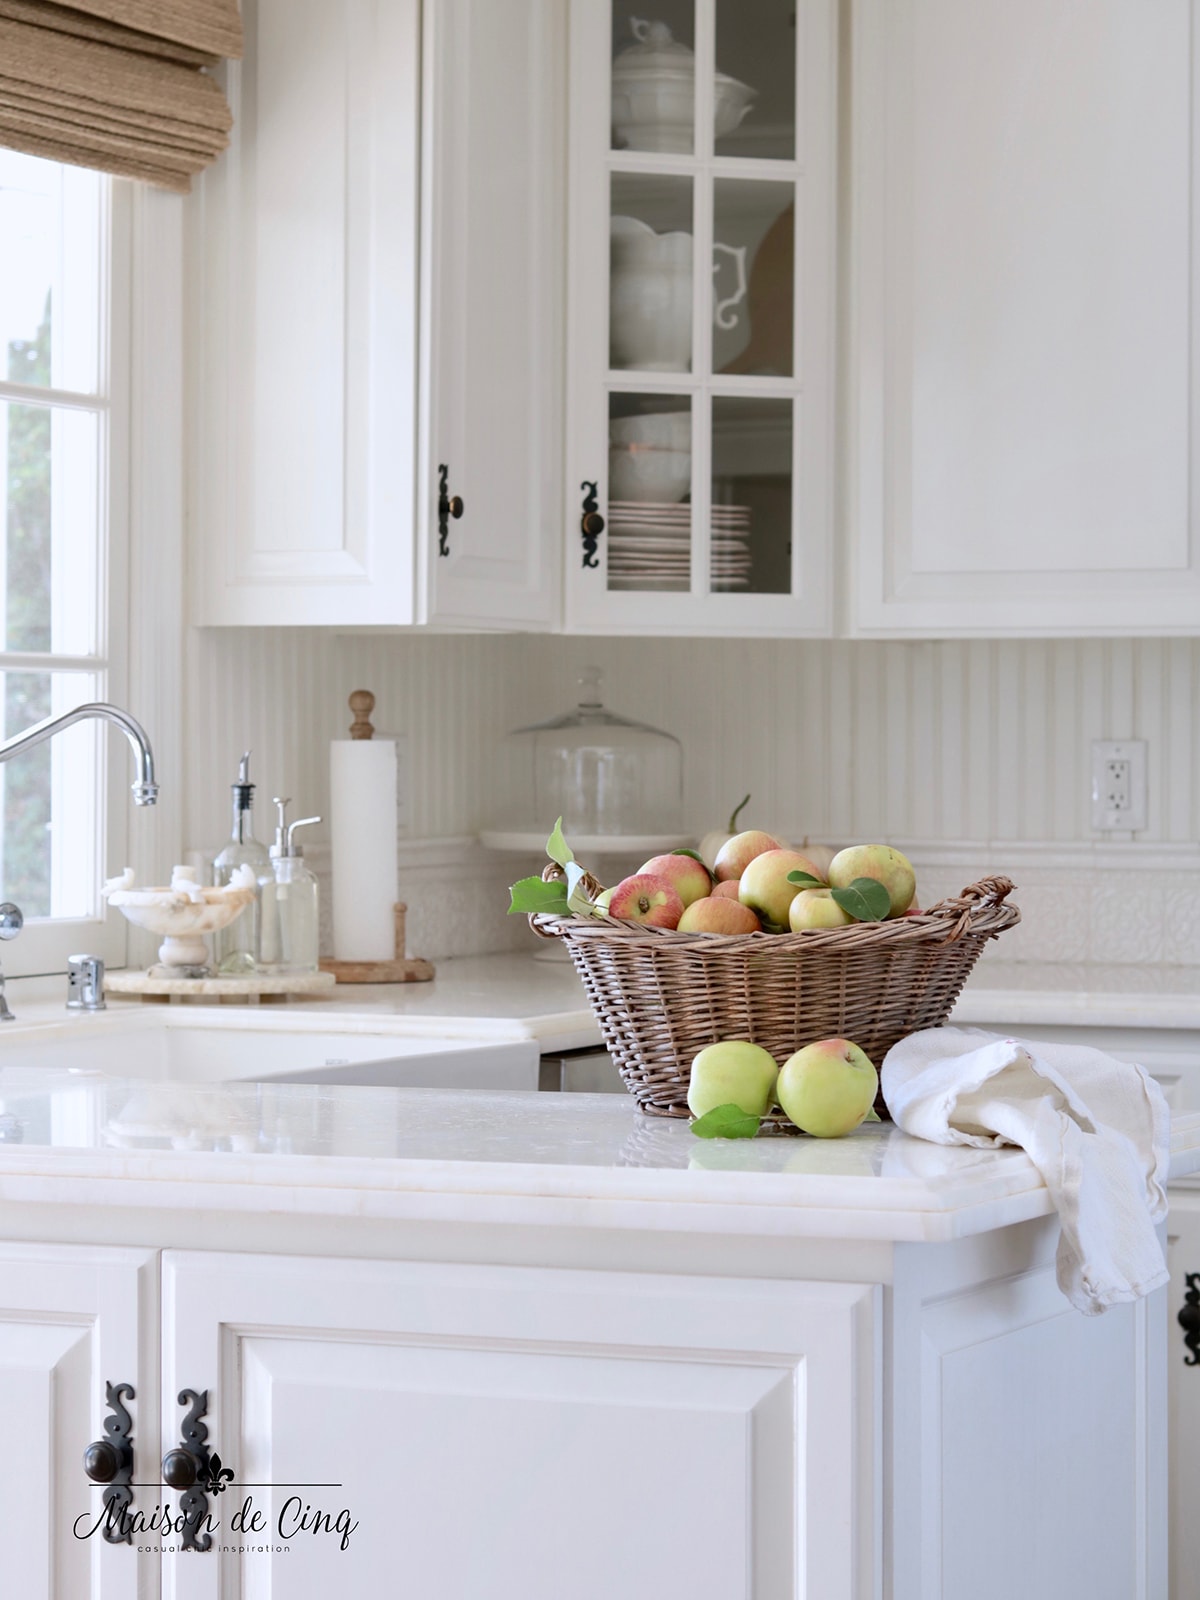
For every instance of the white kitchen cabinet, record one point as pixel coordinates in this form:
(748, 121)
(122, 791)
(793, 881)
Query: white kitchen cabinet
(1022, 318)
(376, 276)
(72, 1319)
(699, 480)
(1183, 1379)
(524, 1431)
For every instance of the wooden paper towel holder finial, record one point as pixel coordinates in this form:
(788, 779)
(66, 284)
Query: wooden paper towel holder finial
(404, 968)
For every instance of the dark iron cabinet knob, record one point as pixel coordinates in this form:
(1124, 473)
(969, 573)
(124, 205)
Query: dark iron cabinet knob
(180, 1469)
(592, 524)
(1189, 1319)
(101, 1461)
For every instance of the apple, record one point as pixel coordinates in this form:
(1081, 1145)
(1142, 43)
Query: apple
(603, 901)
(712, 842)
(879, 861)
(816, 908)
(733, 1072)
(765, 888)
(737, 853)
(716, 914)
(827, 1088)
(726, 890)
(645, 898)
(690, 878)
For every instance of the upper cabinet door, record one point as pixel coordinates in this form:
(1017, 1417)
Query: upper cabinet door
(304, 292)
(1023, 328)
(493, 243)
(376, 281)
(700, 316)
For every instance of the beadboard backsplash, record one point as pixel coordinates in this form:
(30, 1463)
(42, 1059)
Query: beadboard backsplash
(936, 741)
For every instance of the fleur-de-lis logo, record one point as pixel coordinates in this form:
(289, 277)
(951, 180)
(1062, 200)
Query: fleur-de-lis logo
(218, 1476)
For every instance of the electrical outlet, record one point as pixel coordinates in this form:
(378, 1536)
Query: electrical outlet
(1118, 785)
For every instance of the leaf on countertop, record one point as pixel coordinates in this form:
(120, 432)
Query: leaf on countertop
(557, 847)
(805, 879)
(866, 900)
(872, 1116)
(534, 894)
(726, 1122)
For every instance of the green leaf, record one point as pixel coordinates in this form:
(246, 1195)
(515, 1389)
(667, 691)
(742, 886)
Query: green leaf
(557, 847)
(532, 894)
(726, 1122)
(577, 898)
(872, 1116)
(695, 857)
(866, 900)
(805, 880)
(736, 813)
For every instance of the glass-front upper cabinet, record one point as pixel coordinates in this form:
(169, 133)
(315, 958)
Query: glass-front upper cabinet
(700, 307)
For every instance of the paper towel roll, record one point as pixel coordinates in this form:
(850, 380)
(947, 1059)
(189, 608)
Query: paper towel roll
(362, 790)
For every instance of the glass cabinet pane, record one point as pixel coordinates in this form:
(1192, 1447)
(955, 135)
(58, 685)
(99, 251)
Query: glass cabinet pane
(751, 518)
(754, 280)
(649, 491)
(754, 90)
(650, 275)
(654, 77)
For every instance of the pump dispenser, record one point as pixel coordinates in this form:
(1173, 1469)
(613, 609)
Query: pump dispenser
(237, 947)
(289, 902)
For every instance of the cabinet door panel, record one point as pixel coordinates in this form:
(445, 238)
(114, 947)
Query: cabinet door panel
(71, 1322)
(305, 285)
(1024, 297)
(492, 263)
(1183, 1384)
(531, 1433)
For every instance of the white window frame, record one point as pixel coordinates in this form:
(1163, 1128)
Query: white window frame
(138, 661)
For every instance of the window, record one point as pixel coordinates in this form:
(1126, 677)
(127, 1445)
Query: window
(62, 524)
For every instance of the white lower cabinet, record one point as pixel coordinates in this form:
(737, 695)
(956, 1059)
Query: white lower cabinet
(72, 1319)
(505, 1431)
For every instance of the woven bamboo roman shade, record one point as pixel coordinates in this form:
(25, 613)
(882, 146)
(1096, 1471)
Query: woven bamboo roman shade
(118, 84)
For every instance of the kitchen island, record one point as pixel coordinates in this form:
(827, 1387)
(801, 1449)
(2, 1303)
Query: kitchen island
(541, 1346)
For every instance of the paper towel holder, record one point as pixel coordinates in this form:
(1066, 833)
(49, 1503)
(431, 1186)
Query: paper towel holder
(403, 968)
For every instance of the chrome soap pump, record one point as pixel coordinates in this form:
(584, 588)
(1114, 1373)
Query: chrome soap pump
(289, 902)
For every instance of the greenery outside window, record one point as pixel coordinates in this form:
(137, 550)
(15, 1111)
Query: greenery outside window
(63, 430)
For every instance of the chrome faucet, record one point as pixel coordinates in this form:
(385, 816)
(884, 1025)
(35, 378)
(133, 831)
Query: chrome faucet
(145, 789)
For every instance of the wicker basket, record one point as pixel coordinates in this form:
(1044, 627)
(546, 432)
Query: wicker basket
(660, 996)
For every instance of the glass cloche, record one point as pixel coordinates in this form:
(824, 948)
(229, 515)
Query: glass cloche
(617, 784)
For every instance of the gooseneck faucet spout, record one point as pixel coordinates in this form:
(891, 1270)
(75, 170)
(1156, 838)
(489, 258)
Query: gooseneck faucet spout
(145, 789)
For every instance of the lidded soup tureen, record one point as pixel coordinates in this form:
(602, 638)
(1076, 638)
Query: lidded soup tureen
(654, 93)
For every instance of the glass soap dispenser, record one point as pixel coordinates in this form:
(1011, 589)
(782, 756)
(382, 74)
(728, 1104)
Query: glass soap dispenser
(236, 948)
(289, 902)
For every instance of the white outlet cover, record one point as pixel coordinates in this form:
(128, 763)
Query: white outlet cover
(1120, 807)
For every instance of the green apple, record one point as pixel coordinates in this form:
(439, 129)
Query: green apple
(827, 1088)
(764, 885)
(879, 861)
(733, 1072)
(816, 908)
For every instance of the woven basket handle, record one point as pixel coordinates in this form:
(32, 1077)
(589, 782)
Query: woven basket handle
(965, 906)
(553, 873)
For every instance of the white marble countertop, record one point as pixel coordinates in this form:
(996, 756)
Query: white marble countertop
(1080, 994)
(507, 1157)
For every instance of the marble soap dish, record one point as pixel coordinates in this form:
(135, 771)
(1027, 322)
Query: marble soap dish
(181, 914)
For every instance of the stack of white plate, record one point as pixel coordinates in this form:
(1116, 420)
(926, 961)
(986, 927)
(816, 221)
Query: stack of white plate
(650, 546)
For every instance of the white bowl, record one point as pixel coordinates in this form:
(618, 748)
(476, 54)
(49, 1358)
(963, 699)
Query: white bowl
(179, 920)
(648, 472)
(669, 429)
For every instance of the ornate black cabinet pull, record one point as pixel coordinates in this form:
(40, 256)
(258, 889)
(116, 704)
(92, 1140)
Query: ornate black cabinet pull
(1189, 1319)
(191, 1467)
(591, 524)
(448, 506)
(110, 1461)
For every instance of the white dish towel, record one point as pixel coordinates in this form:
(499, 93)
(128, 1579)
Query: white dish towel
(1097, 1130)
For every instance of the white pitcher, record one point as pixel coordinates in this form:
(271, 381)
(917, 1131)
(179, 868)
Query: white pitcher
(650, 298)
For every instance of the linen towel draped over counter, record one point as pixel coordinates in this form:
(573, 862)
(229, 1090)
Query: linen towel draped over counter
(118, 85)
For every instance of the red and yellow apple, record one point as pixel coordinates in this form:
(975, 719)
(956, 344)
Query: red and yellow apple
(732, 1072)
(764, 885)
(645, 898)
(816, 908)
(737, 853)
(827, 1088)
(718, 914)
(879, 861)
(690, 878)
(727, 889)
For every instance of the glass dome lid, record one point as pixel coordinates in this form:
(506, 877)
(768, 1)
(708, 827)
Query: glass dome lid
(617, 784)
